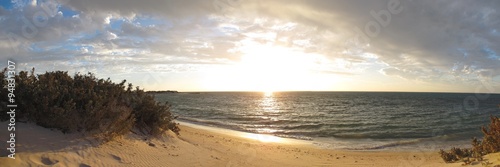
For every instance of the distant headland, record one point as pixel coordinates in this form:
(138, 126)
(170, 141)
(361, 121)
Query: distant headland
(163, 91)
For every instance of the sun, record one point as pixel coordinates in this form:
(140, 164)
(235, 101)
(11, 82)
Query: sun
(266, 68)
(275, 68)
(268, 93)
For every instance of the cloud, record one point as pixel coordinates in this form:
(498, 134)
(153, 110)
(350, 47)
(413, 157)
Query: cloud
(430, 41)
(422, 40)
(171, 8)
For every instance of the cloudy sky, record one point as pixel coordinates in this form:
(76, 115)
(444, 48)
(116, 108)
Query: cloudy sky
(261, 45)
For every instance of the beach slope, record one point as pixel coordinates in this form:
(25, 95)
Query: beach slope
(196, 146)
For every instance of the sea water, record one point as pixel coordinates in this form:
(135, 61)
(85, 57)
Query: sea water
(345, 120)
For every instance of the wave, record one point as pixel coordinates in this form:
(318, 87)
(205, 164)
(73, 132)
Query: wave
(239, 128)
(431, 143)
(215, 123)
(389, 145)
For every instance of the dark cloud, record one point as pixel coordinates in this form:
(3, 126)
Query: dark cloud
(171, 8)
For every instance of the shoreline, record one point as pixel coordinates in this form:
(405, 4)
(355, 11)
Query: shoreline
(431, 144)
(255, 136)
(300, 151)
(197, 145)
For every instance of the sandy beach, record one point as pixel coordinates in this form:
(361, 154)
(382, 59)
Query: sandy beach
(197, 146)
(249, 83)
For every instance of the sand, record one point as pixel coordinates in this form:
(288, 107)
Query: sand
(197, 146)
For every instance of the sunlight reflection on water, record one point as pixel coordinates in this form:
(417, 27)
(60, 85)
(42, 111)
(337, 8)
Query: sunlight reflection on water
(268, 104)
(263, 138)
(270, 108)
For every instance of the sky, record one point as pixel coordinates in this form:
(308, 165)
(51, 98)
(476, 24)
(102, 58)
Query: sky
(261, 45)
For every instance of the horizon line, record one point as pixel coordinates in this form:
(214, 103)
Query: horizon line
(256, 91)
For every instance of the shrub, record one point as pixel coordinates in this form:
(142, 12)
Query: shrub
(491, 139)
(83, 103)
(489, 144)
(150, 115)
(448, 156)
(455, 154)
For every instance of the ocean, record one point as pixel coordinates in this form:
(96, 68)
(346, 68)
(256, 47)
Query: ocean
(345, 120)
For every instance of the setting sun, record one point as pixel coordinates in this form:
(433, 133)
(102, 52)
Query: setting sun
(270, 68)
(268, 93)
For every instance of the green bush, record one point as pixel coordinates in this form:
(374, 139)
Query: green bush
(83, 103)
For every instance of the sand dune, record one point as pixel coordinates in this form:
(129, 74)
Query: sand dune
(197, 146)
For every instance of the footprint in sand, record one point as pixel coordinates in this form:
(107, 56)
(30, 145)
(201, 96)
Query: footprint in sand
(84, 165)
(116, 157)
(119, 159)
(48, 161)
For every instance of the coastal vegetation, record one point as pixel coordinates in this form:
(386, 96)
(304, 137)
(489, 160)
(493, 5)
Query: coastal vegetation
(489, 144)
(86, 104)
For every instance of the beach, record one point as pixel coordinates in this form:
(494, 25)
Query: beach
(197, 146)
(233, 83)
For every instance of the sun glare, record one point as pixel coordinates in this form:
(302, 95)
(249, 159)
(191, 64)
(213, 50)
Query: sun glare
(268, 93)
(270, 69)
(264, 138)
(275, 68)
